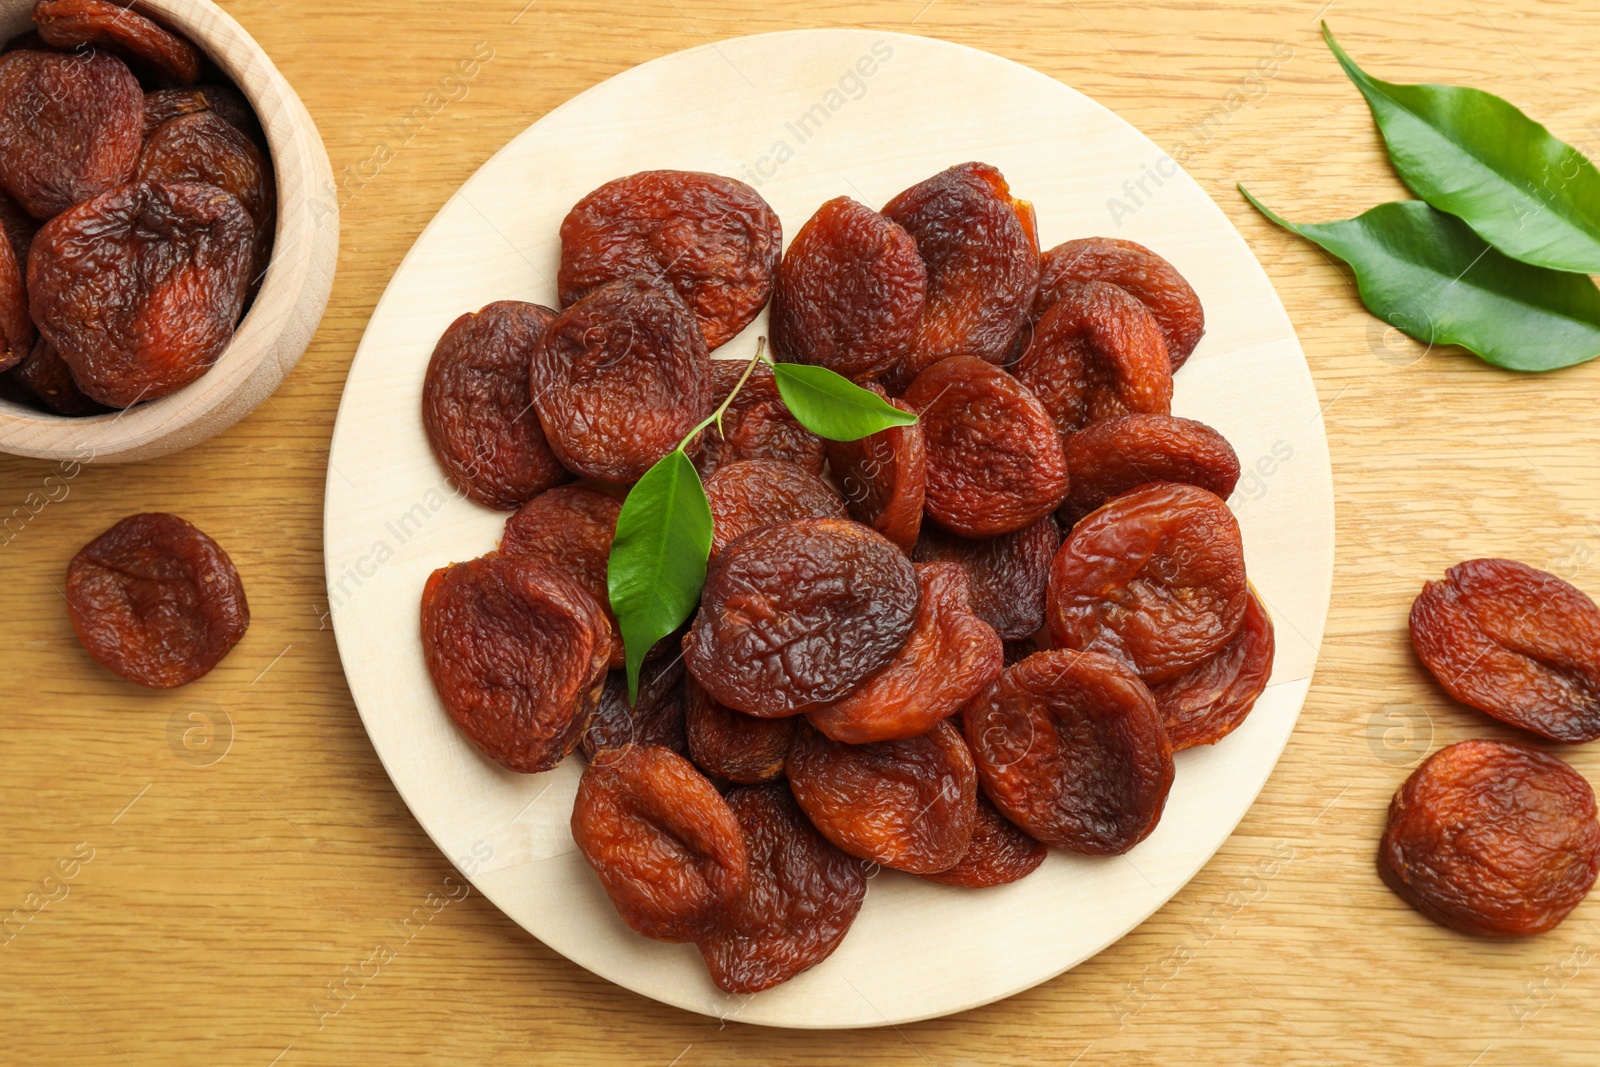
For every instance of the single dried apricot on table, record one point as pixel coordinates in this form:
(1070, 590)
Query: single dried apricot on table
(1000, 853)
(757, 424)
(655, 718)
(730, 744)
(1124, 452)
(1008, 574)
(669, 852)
(77, 24)
(1492, 838)
(518, 653)
(1155, 282)
(753, 493)
(45, 376)
(156, 601)
(885, 478)
(1516, 643)
(1204, 704)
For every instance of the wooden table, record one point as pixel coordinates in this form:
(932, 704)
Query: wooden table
(201, 869)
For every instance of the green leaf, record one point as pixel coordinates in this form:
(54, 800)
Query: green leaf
(1470, 153)
(658, 559)
(1426, 273)
(831, 406)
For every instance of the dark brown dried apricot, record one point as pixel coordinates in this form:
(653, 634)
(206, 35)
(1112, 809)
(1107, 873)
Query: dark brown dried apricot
(797, 614)
(908, 804)
(885, 477)
(995, 462)
(1008, 575)
(140, 288)
(16, 328)
(476, 407)
(655, 718)
(1069, 746)
(753, 493)
(757, 424)
(1126, 451)
(76, 24)
(1155, 579)
(949, 658)
(570, 527)
(1516, 643)
(18, 227)
(850, 292)
(1492, 838)
(1155, 282)
(669, 852)
(804, 894)
(1001, 852)
(226, 101)
(619, 378)
(1095, 354)
(518, 654)
(1204, 704)
(712, 239)
(156, 601)
(44, 374)
(69, 127)
(730, 744)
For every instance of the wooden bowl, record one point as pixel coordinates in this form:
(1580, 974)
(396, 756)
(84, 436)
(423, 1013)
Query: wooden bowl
(279, 324)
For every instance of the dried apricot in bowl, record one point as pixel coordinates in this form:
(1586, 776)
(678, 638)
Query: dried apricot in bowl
(45, 376)
(1204, 704)
(1492, 838)
(156, 601)
(16, 328)
(753, 493)
(1516, 643)
(1118, 454)
(91, 24)
(1127, 265)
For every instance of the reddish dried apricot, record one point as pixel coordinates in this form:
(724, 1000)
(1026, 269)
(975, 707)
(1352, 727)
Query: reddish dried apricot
(45, 376)
(757, 424)
(712, 239)
(570, 527)
(885, 478)
(1126, 451)
(949, 658)
(69, 127)
(619, 378)
(224, 100)
(1155, 282)
(1516, 643)
(1492, 838)
(804, 894)
(797, 614)
(16, 328)
(70, 24)
(476, 410)
(753, 493)
(730, 744)
(1000, 853)
(1008, 575)
(1069, 746)
(908, 804)
(850, 292)
(156, 601)
(518, 653)
(669, 852)
(655, 718)
(18, 227)
(1204, 704)
(1155, 579)
(994, 462)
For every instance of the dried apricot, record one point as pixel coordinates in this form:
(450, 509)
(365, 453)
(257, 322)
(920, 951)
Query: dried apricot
(1008, 575)
(757, 424)
(885, 477)
(712, 239)
(1204, 704)
(476, 410)
(1069, 746)
(1155, 282)
(1516, 643)
(1492, 838)
(619, 378)
(18, 228)
(730, 744)
(226, 101)
(797, 614)
(753, 493)
(70, 24)
(995, 462)
(655, 718)
(1000, 853)
(949, 658)
(518, 653)
(850, 292)
(669, 852)
(908, 804)
(45, 376)
(1155, 579)
(1126, 451)
(570, 527)
(804, 893)
(16, 328)
(156, 601)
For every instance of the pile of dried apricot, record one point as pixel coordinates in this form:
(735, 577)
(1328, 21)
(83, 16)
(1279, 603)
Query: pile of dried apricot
(138, 204)
(941, 649)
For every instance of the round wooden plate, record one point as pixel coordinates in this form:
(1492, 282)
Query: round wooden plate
(806, 116)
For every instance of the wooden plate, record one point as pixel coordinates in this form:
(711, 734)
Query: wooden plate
(806, 116)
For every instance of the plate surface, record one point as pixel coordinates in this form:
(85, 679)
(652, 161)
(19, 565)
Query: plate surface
(805, 116)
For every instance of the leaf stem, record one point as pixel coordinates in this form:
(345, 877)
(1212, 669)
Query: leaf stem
(716, 416)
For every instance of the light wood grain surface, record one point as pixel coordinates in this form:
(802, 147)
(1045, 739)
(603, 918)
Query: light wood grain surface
(186, 908)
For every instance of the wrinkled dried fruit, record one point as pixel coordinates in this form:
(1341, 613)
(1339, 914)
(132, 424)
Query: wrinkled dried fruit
(69, 127)
(1008, 575)
(206, 149)
(850, 292)
(713, 239)
(757, 424)
(730, 744)
(1204, 704)
(18, 227)
(908, 804)
(885, 477)
(981, 250)
(1155, 579)
(140, 288)
(949, 658)
(1000, 852)
(77, 24)
(224, 100)
(1516, 643)
(1097, 353)
(476, 410)
(1069, 746)
(570, 527)
(995, 462)
(656, 718)
(518, 653)
(619, 378)
(1492, 838)
(1017, 651)
(16, 328)
(669, 852)
(797, 614)
(753, 493)
(1155, 282)
(44, 374)
(1124, 452)
(156, 601)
